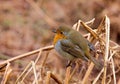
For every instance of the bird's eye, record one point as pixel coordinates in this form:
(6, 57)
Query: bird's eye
(61, 32)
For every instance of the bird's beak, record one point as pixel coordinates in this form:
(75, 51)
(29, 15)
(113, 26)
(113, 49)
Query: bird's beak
(54, 31)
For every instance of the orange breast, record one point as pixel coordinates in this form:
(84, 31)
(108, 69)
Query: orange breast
(57, 37)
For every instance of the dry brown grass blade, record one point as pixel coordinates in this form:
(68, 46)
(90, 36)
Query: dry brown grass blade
(89, 30)
(89, 70)
(26, 54)
(107, 39)
(35, 73)
(78, 24)
(56, 78)
(44, 60)
(22, 74)
(113, 69)
(110, 57)
(2, 67)
(42, 65)
(96, 79)
(93, 33)
(74, 70)
(67, 75)
(6, 74)
(99, 31)
(101, 27)
(50, 75)
(28, 68)
(70, 74)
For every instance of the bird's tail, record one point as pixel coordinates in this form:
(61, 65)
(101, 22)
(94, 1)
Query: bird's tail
(96, 62)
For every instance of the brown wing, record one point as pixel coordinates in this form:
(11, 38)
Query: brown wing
(72, 49)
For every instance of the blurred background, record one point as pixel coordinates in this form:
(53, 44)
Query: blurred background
(26, 25)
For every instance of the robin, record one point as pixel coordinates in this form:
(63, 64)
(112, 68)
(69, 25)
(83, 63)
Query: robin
(70, 44)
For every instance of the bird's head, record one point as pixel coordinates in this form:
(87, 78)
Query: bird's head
(61, 33)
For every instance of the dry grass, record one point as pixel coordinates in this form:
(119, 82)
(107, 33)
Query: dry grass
(40, 73)
(20, 18)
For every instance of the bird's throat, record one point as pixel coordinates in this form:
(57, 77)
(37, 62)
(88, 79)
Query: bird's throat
(58, 37)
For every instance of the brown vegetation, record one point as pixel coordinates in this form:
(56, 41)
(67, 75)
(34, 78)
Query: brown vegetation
(25, 32)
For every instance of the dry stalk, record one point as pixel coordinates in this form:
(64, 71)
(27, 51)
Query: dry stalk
(107, 27)
(118, 70)
(26, 73)
(110, 58)
(35, 73)
(28, 68)
(89, 30)
(93, 33)
(67, 75)
(96, 79)
(19, 77)
(113, 69)
(78, 24)
(101, 27)
(27, 54)
(56, 79)
(80, 74)
(90, 22)
(41, 66)
(89, 70)
(48, 77)
(44, 60)
(109, 80)
(6, 74)
(74, 70)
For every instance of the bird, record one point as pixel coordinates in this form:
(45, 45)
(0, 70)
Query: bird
(71, 45)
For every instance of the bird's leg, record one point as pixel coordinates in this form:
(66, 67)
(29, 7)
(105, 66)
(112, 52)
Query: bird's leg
(68, 63)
